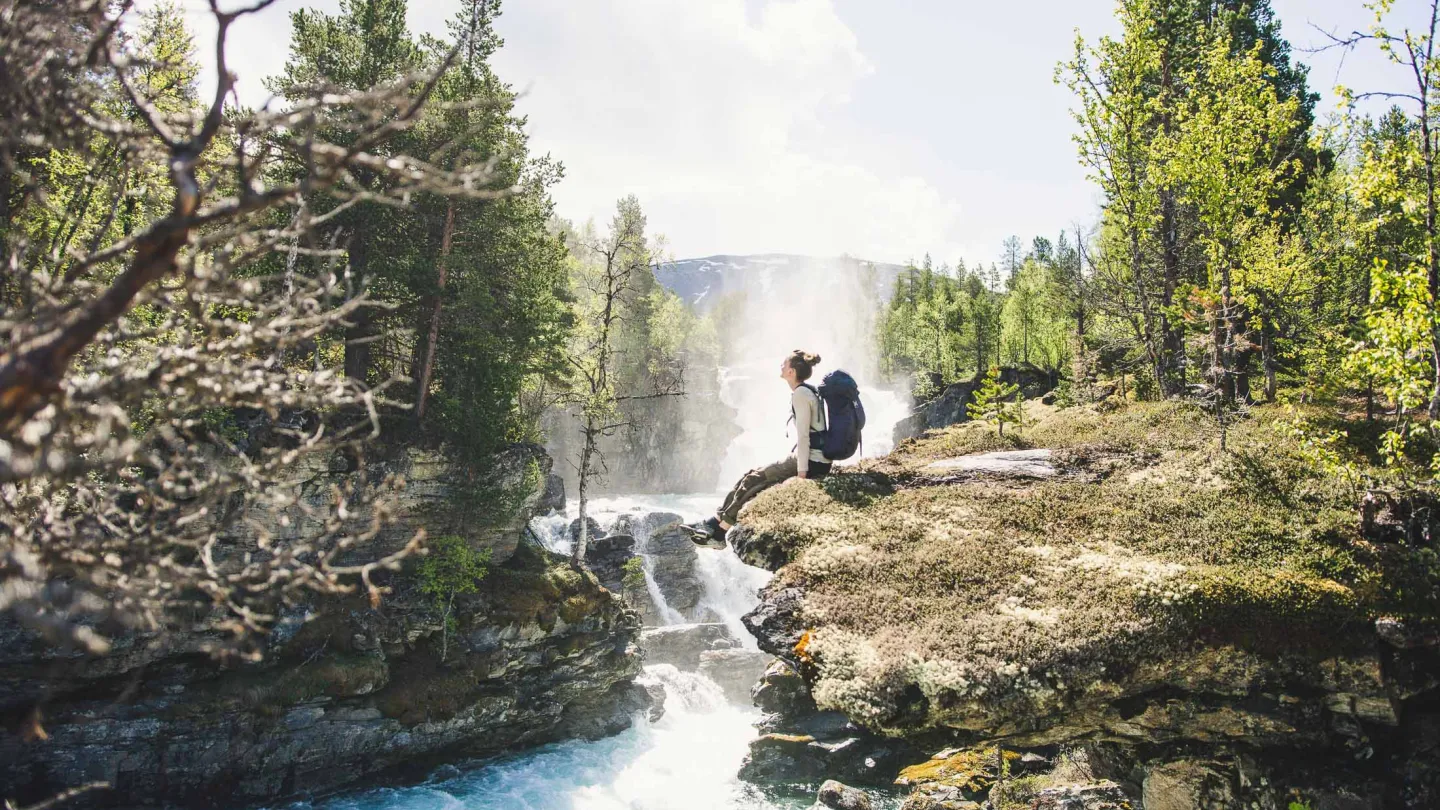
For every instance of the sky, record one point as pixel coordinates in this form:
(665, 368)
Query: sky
(884, 131)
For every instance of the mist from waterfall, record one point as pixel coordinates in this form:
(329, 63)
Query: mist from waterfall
(829, 307)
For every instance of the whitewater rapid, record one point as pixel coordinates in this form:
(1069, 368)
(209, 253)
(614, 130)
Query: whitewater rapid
(689, 758)
(685, 761)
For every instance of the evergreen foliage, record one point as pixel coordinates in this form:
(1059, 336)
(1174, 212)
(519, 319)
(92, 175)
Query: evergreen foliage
(996, 402)
(475, 290)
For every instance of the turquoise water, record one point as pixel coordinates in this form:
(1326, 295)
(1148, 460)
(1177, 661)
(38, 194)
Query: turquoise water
(687, 760)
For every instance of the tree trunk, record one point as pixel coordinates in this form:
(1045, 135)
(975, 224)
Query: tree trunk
(582, 539)
(1172, 345)
(1172, 342)
(432, 337)
(1267, 355)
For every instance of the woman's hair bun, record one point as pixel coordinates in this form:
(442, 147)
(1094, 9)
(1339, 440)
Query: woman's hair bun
(803, 362)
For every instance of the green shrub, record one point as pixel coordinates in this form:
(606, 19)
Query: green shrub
(634, 573)
(450, 568)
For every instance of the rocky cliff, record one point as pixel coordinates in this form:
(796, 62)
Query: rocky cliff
(344, 690)
(1151, 621)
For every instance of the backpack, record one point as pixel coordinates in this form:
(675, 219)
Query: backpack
(844, 418)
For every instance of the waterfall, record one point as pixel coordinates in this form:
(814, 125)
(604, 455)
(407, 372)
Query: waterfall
(688, 759)
(730, 589)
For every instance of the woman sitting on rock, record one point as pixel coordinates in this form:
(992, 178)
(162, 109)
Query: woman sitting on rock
(808, 414)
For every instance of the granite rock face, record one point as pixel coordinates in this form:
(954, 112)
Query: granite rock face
(677, 443)
(345, 690)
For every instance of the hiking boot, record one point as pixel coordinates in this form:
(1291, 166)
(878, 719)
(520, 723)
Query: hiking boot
(706, 533)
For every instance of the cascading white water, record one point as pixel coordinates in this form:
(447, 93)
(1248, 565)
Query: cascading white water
(688, 760)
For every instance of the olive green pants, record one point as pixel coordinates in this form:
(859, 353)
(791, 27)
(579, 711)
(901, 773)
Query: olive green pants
(761, 479)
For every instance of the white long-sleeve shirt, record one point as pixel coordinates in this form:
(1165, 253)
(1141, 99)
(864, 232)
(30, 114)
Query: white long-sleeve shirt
(809, 415)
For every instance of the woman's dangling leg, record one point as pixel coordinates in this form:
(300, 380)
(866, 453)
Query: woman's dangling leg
(752, 484)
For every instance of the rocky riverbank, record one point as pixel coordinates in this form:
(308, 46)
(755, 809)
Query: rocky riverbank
(345, 690)
(1137, 618)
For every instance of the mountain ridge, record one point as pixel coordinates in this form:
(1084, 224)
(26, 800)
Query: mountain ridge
(701, 282)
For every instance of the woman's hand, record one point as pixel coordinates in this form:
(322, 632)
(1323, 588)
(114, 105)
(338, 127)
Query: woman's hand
(800, 475)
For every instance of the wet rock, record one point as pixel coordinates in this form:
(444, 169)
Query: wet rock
(606, 556)
(553, 498)
(837, 796)
(782, 691)
(821, 725)
(672, 558)
(656, 690)
(775, 622)
(596, 531)
(801, 761)
(735, 670)
(682, 644)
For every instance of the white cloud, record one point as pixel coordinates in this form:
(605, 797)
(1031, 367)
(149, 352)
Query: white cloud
(714, 118)
(713, 112)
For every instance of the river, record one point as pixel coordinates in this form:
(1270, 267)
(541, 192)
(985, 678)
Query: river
(689, 758)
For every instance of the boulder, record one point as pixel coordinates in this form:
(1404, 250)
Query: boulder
(606, 556)
(782, 691)
(596, 530)
(553, 498)
(672, 557)
(837, 796)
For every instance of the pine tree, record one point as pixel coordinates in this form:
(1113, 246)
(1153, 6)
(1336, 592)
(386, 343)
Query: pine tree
(995, 402)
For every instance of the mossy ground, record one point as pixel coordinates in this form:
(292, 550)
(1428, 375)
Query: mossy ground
(964, 603)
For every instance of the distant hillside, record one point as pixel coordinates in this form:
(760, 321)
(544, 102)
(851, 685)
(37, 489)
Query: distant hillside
(702, 282)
